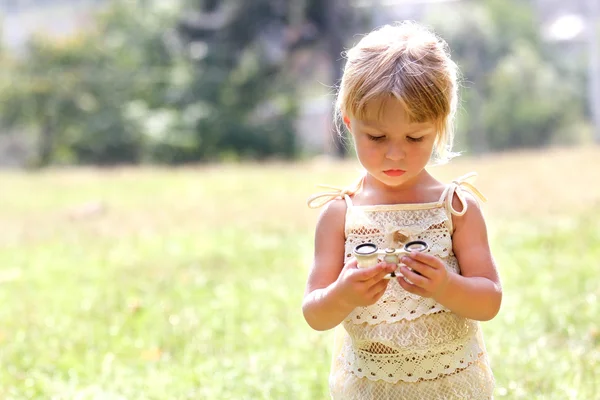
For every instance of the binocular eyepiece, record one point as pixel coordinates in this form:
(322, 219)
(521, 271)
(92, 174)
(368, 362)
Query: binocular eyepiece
(367, 254)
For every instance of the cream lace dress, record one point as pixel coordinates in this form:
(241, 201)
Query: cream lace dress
(406, 346)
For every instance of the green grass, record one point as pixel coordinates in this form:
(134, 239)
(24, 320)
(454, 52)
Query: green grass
(187, 284)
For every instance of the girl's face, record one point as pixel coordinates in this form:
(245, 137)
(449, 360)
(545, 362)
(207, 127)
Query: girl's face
(393, 150)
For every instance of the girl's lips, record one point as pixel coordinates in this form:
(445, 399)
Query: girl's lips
(394, 172)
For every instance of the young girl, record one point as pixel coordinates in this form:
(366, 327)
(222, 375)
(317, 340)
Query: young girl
(416, 335)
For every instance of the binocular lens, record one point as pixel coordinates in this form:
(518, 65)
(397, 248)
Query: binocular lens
(417, 245)
(365, 249)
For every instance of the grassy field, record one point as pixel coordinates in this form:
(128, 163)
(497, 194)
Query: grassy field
(187, 283)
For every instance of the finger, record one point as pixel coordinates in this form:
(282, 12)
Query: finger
(386, 270)
(374, 273)
(351, 264)
(419, 267)
(379, 290)
(416, 279)
(427, 259)
(409, 287)
(379, 286)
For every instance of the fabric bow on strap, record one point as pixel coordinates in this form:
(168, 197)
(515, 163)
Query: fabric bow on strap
(455, 187)
(320, 199)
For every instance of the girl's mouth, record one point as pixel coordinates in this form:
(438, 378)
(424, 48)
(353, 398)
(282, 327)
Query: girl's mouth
(394, 172)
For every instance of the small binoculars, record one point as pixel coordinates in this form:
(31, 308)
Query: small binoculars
(368, 255)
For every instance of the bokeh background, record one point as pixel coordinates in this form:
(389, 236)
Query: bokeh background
(155, 162)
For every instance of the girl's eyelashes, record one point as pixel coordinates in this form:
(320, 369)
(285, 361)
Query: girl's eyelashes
(382, 137)
(375, 138)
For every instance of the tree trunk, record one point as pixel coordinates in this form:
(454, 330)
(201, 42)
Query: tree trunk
(46, 144)
(477, 136)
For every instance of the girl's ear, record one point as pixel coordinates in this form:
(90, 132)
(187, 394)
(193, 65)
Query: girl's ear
(347, 122)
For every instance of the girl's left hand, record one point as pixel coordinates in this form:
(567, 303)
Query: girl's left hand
(431, 279)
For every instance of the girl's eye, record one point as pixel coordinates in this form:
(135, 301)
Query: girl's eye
(376, 138)
(414, 139)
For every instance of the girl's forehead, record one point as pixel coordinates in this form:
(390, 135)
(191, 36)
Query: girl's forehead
(388, 113)
(382, 108)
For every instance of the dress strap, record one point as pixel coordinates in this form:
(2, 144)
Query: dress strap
(320, 199)
(458, 186)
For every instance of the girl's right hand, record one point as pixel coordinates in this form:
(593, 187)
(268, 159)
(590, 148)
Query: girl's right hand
(360, 287)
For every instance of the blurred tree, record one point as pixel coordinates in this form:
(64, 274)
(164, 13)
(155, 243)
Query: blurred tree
(337, 24)
(241, 51)
(76, 92)
(515, 96)
(153, 81)
(529, 101)
(240, 99)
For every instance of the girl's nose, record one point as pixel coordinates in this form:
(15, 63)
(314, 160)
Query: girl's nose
(395, 152)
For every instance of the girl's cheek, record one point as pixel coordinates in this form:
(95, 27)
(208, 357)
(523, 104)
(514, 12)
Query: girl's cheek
(369, 152)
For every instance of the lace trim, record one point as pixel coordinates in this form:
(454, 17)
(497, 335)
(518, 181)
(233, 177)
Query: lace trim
(390, 310)
(424, 333)
(475, 382)
(360, 222)
(412, 366)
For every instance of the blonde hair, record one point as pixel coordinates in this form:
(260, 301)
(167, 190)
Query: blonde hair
(408, 63)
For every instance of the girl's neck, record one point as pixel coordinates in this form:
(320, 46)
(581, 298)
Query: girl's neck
(415, 183)
(417, 189)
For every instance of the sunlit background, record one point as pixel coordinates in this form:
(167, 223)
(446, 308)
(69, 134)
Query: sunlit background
(109, 82)
(155, 159)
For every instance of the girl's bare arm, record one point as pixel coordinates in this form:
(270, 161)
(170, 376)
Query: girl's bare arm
(333, 289)
(477, 292)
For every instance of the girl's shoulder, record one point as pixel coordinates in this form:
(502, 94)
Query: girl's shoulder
(333, 215)
(335, 208)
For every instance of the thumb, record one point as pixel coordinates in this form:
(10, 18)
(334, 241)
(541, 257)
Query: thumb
(350, 264)
(365, 274)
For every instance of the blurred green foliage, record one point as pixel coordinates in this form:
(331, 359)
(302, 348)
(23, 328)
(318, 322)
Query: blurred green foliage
(145, 84)
(516, 92)
(239, 101)
(76, 93)
(211, 80)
